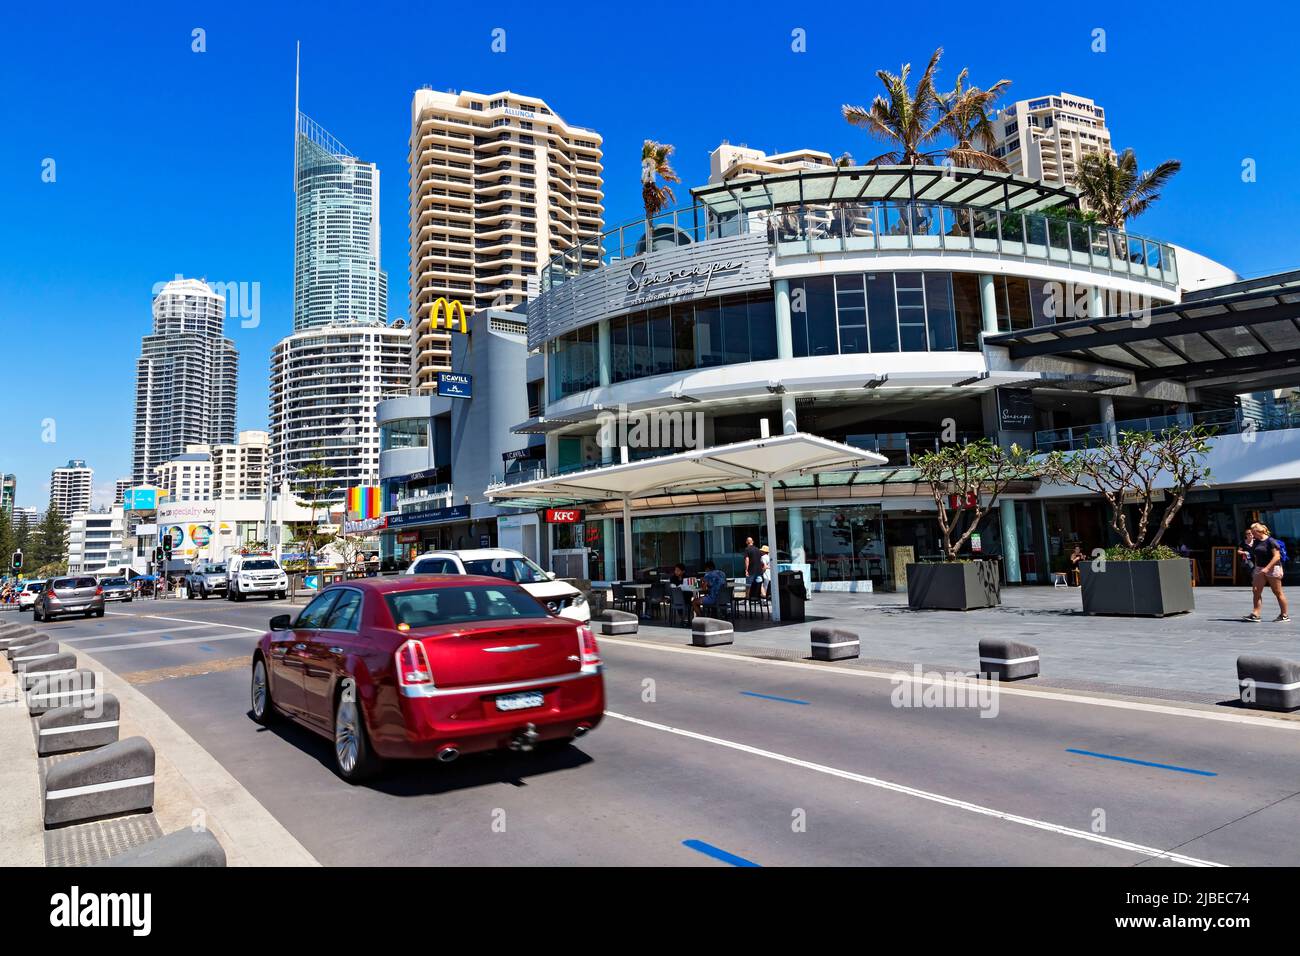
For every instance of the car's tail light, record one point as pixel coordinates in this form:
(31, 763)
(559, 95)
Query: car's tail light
(99, 590)
(413, 665)
(588, 650)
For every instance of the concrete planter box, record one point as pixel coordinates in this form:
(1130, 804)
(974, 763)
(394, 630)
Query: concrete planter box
(1137, 588)
(953, 586)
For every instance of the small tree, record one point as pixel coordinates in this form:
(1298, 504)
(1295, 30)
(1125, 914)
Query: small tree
(1126, 472)
(967, 474)
(314, 488)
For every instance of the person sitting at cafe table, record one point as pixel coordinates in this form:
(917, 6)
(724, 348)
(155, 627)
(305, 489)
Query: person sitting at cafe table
(712, 585)
(678, 576)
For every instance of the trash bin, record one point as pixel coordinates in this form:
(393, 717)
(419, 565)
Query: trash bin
(793, 594)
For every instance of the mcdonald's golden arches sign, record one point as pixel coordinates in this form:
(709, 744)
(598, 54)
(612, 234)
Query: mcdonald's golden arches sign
(447, 310)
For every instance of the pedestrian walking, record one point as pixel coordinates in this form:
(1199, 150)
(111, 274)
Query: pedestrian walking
(767, 570)
(753, 565)
(1266, 555)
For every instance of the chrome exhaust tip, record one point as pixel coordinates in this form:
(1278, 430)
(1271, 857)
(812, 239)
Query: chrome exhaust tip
(448, 754)
(526, 739)
(581, 731)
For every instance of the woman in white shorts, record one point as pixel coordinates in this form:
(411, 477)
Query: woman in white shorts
(1263, 551)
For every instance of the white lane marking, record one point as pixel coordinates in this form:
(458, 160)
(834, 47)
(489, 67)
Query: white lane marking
(122, 634)
(184, 640)
(1060, 696)
(939, 798)
(190, 620)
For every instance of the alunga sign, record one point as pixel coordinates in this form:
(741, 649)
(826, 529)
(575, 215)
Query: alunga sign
(682, 273)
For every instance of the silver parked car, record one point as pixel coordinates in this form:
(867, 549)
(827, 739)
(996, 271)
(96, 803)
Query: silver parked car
(69, 595)
(117, 589)
(206, 580)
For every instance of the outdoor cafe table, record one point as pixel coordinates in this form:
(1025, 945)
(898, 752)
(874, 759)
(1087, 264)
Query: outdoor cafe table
(642, 591)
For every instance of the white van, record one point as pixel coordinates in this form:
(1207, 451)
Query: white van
(255, 574)
(560, 598)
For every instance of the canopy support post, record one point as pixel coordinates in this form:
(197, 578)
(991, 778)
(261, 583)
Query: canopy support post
(627, 539)
(773, 592)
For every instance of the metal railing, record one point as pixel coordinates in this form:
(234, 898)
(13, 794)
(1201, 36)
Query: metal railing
(880, 226)
(1224, 421)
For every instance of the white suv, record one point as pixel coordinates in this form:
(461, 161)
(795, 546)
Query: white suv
(560, 598)
(255, 574)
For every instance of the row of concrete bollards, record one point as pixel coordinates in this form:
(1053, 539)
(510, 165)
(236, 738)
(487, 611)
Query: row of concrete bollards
(106, 776)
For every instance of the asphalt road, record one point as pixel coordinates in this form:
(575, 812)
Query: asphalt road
(710, 760)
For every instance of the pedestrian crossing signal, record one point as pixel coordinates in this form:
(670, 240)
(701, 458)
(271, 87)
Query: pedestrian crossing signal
(16, 562)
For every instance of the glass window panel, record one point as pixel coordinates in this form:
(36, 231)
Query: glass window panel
(851, 309)
(882, 319)
(1042, 305)
(619, 350)
(1036, 230)
(639, 333)
(1194, 347)
(762, 326)
(1236, 342)
(966, 305)
(661, 341)
(708, 332)
(735, 330)
(819, 301)
(798, 319)
(683, 337)
(940, 317)
(1018, 308)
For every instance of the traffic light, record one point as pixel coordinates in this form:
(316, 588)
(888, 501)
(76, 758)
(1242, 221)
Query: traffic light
(167, 546)
(158, 554)
(16, 562)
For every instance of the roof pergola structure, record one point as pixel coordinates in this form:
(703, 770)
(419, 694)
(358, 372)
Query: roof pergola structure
(767, 460)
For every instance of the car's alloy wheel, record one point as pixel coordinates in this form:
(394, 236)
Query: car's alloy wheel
(260, 689)
(352, 757)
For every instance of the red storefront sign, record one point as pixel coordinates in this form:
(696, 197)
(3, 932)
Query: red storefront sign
(563, 515)
(408, 537)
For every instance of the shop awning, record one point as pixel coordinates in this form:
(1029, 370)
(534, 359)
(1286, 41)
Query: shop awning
(765, 460)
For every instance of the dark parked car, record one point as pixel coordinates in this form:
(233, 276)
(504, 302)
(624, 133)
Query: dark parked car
(419, 667)
(117, 589)
(69, 595)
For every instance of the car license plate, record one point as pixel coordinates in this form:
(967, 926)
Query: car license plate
(532, 698)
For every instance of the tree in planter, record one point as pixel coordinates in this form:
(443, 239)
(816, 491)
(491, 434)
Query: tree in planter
(1126, 472)
(313, 492)
(964, 473)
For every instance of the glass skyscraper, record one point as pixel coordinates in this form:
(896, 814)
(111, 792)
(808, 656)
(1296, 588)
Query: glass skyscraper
(336, 273)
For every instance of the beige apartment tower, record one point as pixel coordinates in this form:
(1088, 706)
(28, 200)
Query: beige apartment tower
(499, 184)
(1046, 138)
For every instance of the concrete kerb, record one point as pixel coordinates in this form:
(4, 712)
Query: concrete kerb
(21, 833)
(48, 691)
(78, 727)
(611, 621)
(181, 848)
(834, 644)
(109, 781)
(194, 790)
(711, 632)
(1268, 683)
(1005, 659)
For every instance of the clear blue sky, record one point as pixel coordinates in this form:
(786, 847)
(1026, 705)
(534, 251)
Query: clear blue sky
(170, 161)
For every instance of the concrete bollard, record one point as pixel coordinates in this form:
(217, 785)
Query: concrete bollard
(11, 632)
(26, 640)
(78, 727)
(612, 621)
(1006, 659)
(834, 644)
(29, 653)
(1268, 683)
(711, 632)
(181, 848)
(51, 691)
(112, 780)
(47, 667)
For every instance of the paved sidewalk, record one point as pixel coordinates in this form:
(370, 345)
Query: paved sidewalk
(22, 833)
(1189, 656)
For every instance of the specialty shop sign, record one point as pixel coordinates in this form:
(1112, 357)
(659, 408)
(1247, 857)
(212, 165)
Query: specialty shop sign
(563, 515)
(455, 385)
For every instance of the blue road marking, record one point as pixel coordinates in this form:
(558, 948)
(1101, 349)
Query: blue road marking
(204, 647)
(708, 849)
(784, 700)
(1141, 763)
(166, 637)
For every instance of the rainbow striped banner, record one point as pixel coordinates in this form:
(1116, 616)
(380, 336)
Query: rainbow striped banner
(365, 501)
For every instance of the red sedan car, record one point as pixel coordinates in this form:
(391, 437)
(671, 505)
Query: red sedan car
(428, 666)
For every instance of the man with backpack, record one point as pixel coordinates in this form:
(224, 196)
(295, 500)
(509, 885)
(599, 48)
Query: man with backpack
(1266, 555)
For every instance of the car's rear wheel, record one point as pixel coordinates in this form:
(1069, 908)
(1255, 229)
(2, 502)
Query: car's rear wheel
(36, 614)
(99, 613)
(260, 693)
(353, 759)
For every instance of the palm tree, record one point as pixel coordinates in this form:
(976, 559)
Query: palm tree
(966, 120)
(656, 195)
(905, 119)
(1116, 191)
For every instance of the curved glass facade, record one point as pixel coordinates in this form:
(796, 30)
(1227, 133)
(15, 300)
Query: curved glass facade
(404, 433)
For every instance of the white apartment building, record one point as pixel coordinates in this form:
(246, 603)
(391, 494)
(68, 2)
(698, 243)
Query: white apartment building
(71, 488)
(185, 377)
(95, 540)
(728, 162)
(325, 384)
(26, 513)
(240, 471)
(187, 477)
(498, 184)
(119, 489)
(1047, 137)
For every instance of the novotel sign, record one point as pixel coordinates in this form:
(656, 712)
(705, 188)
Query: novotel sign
(563, 515)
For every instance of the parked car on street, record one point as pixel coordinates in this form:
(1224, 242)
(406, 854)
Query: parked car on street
(117, 589)
(418, 667)
(27, 596)
(255, 574)
(69, 595)
(206, 580)
(559, 597)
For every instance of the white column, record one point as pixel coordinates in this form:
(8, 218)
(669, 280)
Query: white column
(1010, 540)
(1106, 405)
(609, 570)
(627, 540)
(605, 362)
(1096, 302)
(789, 419)
(784, 335)
(988, 305)
(773, 592)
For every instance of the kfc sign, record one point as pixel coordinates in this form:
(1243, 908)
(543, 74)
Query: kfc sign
(563, 516)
